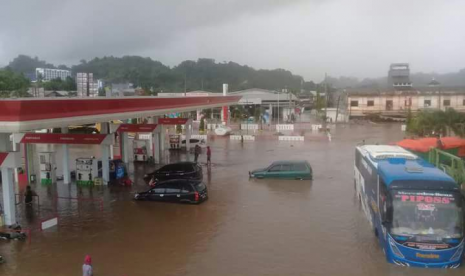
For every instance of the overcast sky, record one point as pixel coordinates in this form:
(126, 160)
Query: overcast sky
(309, 37)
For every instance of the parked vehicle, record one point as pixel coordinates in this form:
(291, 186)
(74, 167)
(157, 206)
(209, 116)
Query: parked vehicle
(223, 130)
(414, 209)
(285, 170)
(178, 190)
(193, 142)
(181, 170)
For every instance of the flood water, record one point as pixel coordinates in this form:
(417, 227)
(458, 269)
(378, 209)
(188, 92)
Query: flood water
(247, 227)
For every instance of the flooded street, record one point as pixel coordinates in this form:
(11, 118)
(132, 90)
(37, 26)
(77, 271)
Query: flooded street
(247, 227)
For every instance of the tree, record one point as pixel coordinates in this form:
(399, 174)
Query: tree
(432, 123)
(59, 85)
(13, 84)
(320, 102)
(202, 124)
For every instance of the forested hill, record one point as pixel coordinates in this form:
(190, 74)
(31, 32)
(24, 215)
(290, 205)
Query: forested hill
(203, 74)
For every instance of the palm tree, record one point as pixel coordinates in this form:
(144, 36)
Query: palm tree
(428, 123)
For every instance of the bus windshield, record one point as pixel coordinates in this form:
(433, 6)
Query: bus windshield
(427, 216)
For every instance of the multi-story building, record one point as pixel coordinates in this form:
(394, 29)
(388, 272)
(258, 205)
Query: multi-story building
(86, 86)
(47, 74)
(399, 76)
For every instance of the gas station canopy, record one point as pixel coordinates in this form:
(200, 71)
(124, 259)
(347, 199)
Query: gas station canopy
(18, 115)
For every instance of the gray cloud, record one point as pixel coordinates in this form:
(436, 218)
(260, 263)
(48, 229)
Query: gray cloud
(341, 37)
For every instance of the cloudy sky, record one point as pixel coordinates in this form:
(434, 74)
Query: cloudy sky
(309, 37)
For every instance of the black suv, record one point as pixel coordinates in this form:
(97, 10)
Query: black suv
(177, 190)
(181, 170)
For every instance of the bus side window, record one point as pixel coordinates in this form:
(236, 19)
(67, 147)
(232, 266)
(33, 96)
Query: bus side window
(384, 201)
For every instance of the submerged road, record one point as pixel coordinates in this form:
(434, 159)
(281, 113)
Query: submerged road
(247, 227)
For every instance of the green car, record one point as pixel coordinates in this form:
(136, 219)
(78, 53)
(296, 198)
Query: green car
(285, 170)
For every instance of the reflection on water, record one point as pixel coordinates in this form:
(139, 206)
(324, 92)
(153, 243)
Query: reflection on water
(247, 227)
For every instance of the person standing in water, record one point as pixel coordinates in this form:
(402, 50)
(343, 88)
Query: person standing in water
(28, 196)
(87, 266)
(209, 156)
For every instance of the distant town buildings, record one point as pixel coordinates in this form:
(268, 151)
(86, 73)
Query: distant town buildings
(47, 74)
(86, 86)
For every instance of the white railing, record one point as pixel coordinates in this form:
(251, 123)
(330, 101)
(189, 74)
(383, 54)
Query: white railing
(249, 126)
(245, 137)
(291, 138)
(316, 127)
(284, 127)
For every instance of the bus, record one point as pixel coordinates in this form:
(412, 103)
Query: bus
(415, 209)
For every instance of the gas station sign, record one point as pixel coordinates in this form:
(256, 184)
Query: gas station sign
(63, 138)
(172, 121)
(137, 127)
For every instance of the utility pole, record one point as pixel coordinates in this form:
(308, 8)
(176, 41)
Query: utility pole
(185, 84)
(326, 104)
(337, 108)
(278, 106)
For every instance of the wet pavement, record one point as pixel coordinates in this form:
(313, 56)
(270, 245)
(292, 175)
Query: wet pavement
(247, 227)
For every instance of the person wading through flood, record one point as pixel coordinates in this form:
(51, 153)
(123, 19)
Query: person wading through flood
(87, 266)
(29, 195)
(209, 156)
(197, 150)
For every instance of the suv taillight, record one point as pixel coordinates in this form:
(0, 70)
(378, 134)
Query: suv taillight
(196, 196)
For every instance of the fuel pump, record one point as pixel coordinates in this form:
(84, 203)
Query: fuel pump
(86, 171)
(47, 167)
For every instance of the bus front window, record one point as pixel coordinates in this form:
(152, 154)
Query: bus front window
(427, 215)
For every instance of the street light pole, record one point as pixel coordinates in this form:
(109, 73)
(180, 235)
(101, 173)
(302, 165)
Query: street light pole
(278, 107)
(326, 104)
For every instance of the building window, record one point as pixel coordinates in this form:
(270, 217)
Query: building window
(446, 102)
(353, 103)
(427, 103)
(371, 103)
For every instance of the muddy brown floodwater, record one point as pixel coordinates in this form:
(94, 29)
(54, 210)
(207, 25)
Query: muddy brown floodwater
(246, 227)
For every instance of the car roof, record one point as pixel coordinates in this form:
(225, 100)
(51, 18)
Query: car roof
(181, 163)
(280, 162)
(191, 181)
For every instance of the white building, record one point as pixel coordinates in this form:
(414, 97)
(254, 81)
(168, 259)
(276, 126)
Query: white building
(86, 86)
(49, 74)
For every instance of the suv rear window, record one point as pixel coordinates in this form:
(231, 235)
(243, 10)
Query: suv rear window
(200, 187)
(299, 167)
(177, 168)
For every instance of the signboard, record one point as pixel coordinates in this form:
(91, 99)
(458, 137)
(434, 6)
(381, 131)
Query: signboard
(63, 138)
(10, 159)
(49, 223)
(137, 127)
(172, 121)
(3, 156)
